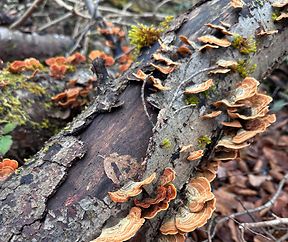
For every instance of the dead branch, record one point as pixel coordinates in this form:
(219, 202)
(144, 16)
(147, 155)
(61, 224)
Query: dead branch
(17, 45)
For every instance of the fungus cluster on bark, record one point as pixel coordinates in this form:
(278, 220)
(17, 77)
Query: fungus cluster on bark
(7, 167)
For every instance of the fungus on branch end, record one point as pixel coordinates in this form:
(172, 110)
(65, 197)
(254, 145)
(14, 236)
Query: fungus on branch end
(124, 230)
(131, 189)
(201, 87)
(7, 167)
(198, 191)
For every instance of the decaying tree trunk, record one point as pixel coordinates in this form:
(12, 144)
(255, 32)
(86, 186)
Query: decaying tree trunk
(17, 45)
(61, 193)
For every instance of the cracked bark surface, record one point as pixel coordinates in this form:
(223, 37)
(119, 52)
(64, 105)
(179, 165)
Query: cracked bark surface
(61, 194)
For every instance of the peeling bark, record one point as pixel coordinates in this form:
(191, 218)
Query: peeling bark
(17, 45)
(72, 204)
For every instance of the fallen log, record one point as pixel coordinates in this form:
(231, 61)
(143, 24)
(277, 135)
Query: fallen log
(18, 45)
(61, 193)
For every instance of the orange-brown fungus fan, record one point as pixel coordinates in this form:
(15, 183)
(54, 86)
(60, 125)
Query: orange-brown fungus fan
(165, 192)
(60, 65)
(209, 171)
(198, 192)
(184, 50)
(210, 39)
(30, 64)
(238, 4)
(130, 189)
(109, 60)
(201, 87)
(247, 111)
(7, 167)
(211, 115)
(198, 209)
(195, 155)
(186, 221)
(172, 238)
(280, 4)
(220, 28)
(124, 230)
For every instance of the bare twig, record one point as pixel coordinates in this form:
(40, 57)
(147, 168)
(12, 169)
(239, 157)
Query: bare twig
(274, 222)
(27, 14)
(55, 21)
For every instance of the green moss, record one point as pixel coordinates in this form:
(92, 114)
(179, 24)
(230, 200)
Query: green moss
(203, 141)
(191, 99)
(244, 45)
(143, 36)
(11, 108)
(245, 68)
(275, 15)
(166, 22)
(166, 144)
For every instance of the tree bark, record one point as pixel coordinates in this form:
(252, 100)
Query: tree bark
(61, 193)
(18, 45)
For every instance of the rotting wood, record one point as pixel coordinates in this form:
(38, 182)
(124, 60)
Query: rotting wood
(80, 207)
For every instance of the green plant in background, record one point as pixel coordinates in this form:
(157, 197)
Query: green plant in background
(142, 35)
(244, 45)
(245, 68)
(5, 137)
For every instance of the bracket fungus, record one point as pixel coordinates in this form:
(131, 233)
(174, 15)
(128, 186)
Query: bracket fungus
(247, 111)
(222, 29)
(30, 64)
(172, 238)
(213, 114)
(237, 4)
(7, 167)
(124, 230)
(186, 221)
(280, 4)
(201, 87)
(198, 192)
(165, 192)
(208, 46)
(160, 57)
(109, 61)
(130, 189)
(195, 155)
(210, 39)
